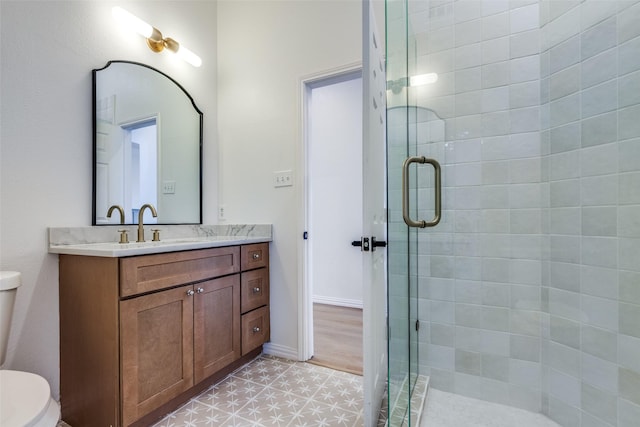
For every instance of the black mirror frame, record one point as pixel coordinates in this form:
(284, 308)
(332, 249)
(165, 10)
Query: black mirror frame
(95, 129)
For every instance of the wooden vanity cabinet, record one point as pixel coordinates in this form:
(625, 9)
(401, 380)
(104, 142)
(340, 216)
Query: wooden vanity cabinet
(140, 335)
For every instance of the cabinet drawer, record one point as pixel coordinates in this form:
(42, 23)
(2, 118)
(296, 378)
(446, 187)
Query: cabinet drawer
(148, 273)
(255, 289)
(255, 256)
(255, 329)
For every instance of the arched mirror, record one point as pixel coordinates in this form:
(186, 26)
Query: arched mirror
(147, 146)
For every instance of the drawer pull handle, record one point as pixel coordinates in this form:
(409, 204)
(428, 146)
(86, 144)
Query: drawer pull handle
(256, 256)
(256, 290)
(256, 329)
(190, 292)
(200, 290)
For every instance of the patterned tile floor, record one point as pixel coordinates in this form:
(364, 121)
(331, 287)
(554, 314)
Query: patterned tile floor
(276, 392)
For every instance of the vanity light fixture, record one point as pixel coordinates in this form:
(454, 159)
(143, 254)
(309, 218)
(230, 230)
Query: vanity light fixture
(155, 41)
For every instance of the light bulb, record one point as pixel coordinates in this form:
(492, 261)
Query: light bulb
(423, 79)
(182, 52)
(132, 22)
(189, 56)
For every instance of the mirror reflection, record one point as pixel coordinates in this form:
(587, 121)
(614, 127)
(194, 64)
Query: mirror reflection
(147, 146)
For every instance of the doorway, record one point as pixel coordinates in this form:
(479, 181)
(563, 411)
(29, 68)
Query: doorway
(141, 168)
(333, 218)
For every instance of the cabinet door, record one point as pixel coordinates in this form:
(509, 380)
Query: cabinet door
(216, 325)
(156, 333)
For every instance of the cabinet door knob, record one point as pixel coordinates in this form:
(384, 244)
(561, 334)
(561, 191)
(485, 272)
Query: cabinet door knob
(256, 329)
(190, 292)
(256, 256)
(200, 290)
(256, 290)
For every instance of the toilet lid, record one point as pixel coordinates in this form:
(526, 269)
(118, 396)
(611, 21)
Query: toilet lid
(24, 398)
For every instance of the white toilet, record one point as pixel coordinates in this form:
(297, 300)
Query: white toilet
(25, 399)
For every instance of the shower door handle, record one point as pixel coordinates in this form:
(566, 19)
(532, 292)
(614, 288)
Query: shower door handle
(405, 192)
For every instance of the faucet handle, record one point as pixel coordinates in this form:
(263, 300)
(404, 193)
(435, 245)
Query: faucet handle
(156, 235)
(124, 238)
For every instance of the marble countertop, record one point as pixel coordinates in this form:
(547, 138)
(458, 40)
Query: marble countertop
(102, 241)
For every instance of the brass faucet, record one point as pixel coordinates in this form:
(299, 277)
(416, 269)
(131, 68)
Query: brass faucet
(114, 207)
(140, 220)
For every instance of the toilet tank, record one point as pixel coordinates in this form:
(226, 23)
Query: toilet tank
(9, 282)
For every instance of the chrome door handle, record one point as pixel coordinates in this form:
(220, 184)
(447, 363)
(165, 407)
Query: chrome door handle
(405, 192)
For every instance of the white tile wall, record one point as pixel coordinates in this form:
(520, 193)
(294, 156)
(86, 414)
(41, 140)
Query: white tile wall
(590, 320)
(533, 291)
(492, 171)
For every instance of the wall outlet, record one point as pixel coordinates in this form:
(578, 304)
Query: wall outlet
(221, 216)
(283, 179)
(168, 187)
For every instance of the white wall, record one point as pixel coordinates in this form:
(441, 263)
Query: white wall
(48, 50)
(334, 159)
(264, 49)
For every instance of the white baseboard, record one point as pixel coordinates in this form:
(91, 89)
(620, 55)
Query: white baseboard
(342, 302)
(280, 351)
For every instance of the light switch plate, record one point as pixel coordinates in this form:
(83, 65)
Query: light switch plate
(168, 187)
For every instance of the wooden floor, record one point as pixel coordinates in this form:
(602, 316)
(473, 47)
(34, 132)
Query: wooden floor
(337, 338)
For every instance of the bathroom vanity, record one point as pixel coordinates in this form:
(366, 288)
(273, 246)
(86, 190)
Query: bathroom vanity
(141, 334)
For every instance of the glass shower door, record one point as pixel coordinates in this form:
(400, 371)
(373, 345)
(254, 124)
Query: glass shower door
(402, 248)
(414, 205)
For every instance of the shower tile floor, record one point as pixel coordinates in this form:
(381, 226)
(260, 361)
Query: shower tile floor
(444, 409)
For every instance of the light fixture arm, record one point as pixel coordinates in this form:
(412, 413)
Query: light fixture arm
(171, 44)
(155, 40)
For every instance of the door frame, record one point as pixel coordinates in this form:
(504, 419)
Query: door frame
(305, 296)
(127, 127)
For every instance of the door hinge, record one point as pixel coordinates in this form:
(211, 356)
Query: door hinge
(305, 235)
(417, 325)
